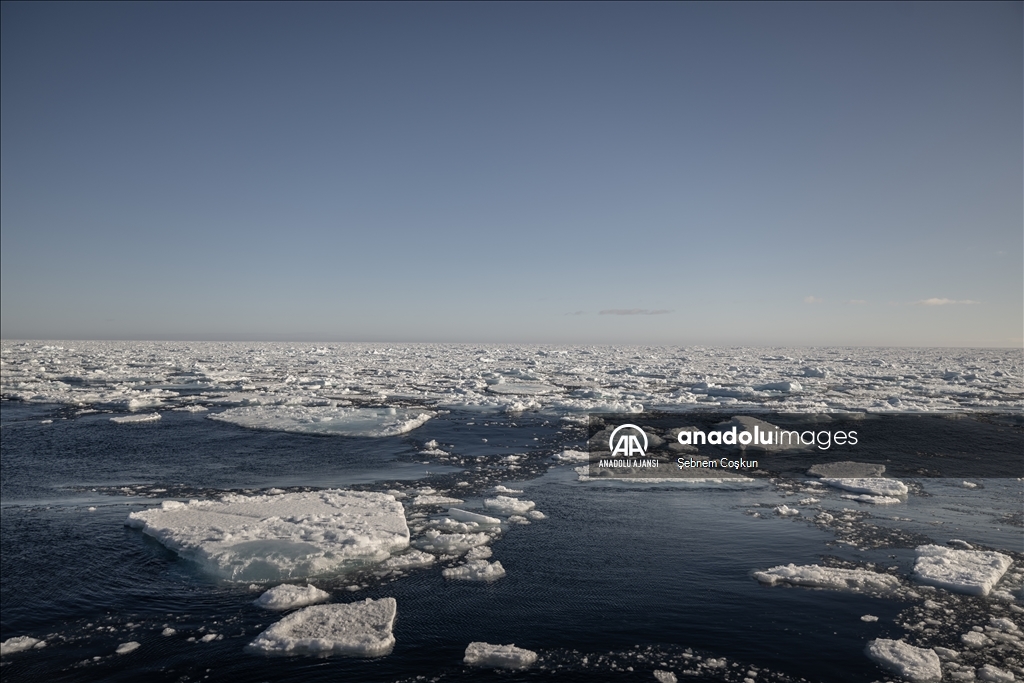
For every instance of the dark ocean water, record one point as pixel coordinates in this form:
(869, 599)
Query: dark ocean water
(618, 581)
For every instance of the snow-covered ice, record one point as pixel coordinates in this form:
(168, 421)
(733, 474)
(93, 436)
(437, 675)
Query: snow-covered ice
(135, 419)
(974, 572)
(125, 648)
(815, 576)
(915, 664)
(410, 560)
(339, 421)
(361, 629)
(275, 537)
(451, 544)
(874, 486)
(288, 596)
(507, 505)
(873, 500)
(20, 644)
(475, 570)
(466, 516)
(499, 656)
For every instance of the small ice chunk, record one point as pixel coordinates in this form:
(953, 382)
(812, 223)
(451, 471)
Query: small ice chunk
(786, 511)
(168, 631)
(506, 505)
(210, 637)
(536, 514)
(946, 653)
(973, 572)
(815, 576)
(288, 596)
(475, 570)
(125, 648)
(20, 644)
(665, 676)
(571, 456)
(434, 499)
(995, 674)
(132, 419)
(360, 629)
(502, 489)
(451, 544)
(876, 486)
(499, 656)
(874, 500)
(962, 545)
(974, 639)
(969, 485)
(869, 618)
(481, 552)
(466, 516)
(1003, 624)
(288, 536)
(410, 560)
(912, 663)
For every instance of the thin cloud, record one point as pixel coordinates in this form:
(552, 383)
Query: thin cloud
(812, 300)
(634, 311)
(934, 301)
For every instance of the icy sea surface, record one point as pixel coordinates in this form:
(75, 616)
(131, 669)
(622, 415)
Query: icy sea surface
(763, 580)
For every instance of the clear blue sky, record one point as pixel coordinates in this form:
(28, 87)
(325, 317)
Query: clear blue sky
(728, 174)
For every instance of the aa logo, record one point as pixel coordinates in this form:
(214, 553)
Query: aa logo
(628, 445)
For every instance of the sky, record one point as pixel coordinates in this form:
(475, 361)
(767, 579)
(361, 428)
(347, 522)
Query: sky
(736, 174)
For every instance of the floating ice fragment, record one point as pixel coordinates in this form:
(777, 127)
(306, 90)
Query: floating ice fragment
(125, 648)
(869, 618)
(339, 421)
(410, 560)
(571, 456)
(912, 663)
(536, 514)
(974, 639)
(287, 536)
(475, 570)
(874, 500)
(287, 596)
(506, 505)
(973, 572)
(132, 419)
(962, 545)
(466, 516)
(992, 673)
(665, 676)
(499, 656)
(435, 499)
(451, 544)
(786, 511)
(210, 637)
(168, 631)
(875, 486)
(502, 489)
(20, 644)
(815, 576)
(361, 629)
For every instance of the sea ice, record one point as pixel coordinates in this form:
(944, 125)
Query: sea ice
(410, 560)
(451, 544)
(434, 499)
(340, 421)
(973, 572)
(289, 536)
(786, 511)
(665, 676)
(506, 505)
(815, 576)
(287, 596)
(361, 629)
(499, 656)
(466, 516)
(20, 644)
(875, 486)
(475, 570)
(912, 663)
(874, 500)
(125, 648)
(995, 674)
(133, 419)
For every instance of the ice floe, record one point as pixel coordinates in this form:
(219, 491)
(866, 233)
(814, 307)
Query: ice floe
(915, 664)
(339, 421)
(815, 576)
(20, 644)
(874, 486)
(475, 570)
(288, 596)
(974, 572)
(125, 648)
(288, 536)
(361, 629)
(135, 419)
(466, 516)
(506, 505)
(499, 656)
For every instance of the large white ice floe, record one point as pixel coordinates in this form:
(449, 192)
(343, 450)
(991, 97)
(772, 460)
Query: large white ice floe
(359, 629)
(499, 656)
(20, 644)
(475, 570)
(339, 421)
(287, 596)
(275, 537)
(507, 505)
(973, 572)
(816, 576)
(915, 664)
(874, 486)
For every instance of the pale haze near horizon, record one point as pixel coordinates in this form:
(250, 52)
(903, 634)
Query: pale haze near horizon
(763, 174)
